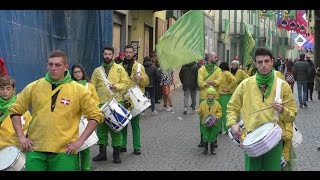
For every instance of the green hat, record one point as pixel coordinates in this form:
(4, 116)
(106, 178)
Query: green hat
(211, 90)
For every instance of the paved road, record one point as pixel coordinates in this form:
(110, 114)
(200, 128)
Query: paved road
(169, 143)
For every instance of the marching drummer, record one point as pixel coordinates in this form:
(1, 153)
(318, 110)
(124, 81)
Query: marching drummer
(57, 104)
(117, 84)
(141, 79)
(209, 107)
(7, 97)
(79, 75)
(255, 99)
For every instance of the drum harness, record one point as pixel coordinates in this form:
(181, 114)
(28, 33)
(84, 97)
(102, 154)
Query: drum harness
(106, 82)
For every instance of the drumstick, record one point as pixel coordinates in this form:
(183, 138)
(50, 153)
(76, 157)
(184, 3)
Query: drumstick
(269, 107)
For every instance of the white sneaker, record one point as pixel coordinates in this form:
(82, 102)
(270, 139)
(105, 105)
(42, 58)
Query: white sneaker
(169, 109)
(154, 113)
(163, 108)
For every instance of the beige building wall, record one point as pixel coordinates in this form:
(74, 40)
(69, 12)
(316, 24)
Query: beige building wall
(141, 19)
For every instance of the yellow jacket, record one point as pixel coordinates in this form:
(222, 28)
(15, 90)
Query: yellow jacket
(93, 91)
(286, 151)
(247, 98)
(215, 76)
(8, 135)
(204, 111)
(228, 83)
(144, 82)
(117, 76)
(52, 131)
(240, 76)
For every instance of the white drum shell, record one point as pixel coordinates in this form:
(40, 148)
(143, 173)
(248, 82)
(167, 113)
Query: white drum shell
(11, 159)
(92, 139)
(265, 143)
(297, 137)
(111, 107)
(139, 100)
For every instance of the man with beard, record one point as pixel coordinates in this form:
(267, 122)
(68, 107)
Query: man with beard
(239, 74)
(208, 75)
(136, 78)
(118, 84)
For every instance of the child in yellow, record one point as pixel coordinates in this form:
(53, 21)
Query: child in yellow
(206, 108)
(7, 97)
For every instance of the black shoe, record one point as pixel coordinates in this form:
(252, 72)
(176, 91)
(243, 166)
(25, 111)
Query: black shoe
(301, 105)
(201, 144)
(305, 104)
(205, 150)
(157, 102)
(102, 156)
(116, 155)
(311, 99)
(184, 112)
(123, 149)
(213, 152)
(136, 152)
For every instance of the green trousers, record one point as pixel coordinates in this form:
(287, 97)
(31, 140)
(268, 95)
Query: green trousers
(209, 133)
(135, 133)
(223, 100)
(269, 161)
(47, 161)
(102, 132)
(85, 161)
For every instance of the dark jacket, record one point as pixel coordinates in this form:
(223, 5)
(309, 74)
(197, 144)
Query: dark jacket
(152, 72)
(189, 76)
(301, 70)
(312, 71)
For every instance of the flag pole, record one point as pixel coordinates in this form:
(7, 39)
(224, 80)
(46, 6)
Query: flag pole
(204, 42)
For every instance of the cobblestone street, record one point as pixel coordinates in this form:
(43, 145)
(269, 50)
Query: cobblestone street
(169, 143)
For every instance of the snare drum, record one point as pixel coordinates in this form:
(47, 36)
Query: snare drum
(116, 116)
(262, 139)
(139, 100)
(11, 159)
(92, 139)
(210, 121)
(297, 137)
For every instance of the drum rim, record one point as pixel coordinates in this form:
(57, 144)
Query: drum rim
(17, 157)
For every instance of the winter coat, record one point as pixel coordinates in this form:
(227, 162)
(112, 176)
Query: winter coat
(152, 72)
(189, 75)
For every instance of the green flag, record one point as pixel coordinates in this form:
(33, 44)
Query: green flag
(248, 45)
(183, 42)
(227, 38)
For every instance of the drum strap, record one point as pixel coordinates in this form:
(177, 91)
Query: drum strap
(51, 94)
(139, 69)
(106, 81)
(278, 98)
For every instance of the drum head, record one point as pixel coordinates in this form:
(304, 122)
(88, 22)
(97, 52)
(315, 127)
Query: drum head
(258, 134)
(8, 155)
